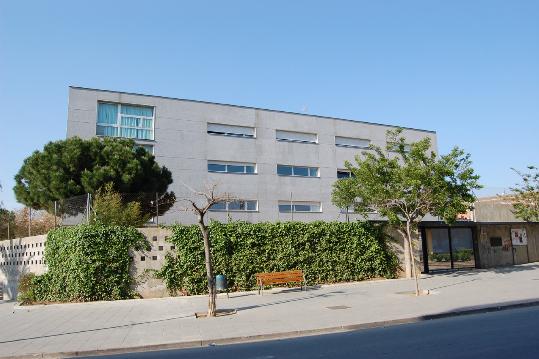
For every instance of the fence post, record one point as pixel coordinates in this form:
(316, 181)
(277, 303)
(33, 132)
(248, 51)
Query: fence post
(157, 208)
(54, 214)
(29, 221)
(291, 207)
(88, 208)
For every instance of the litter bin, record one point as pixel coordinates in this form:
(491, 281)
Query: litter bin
(220, 282)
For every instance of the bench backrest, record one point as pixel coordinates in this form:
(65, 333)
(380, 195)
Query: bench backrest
(280, 277)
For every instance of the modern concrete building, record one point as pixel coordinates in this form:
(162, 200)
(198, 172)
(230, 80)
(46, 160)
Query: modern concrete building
(280, 164)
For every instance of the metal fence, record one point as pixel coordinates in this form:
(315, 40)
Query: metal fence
(75, 210)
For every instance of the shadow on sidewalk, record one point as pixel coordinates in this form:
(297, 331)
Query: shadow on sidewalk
(497, 270)
(453, 284)
(96, 329)
(291, 300)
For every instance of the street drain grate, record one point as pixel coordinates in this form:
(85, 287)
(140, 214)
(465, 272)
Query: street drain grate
(337, 307)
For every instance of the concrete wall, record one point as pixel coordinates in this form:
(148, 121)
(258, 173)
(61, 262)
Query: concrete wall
(494, 209)
(182, 145)
(17, 257)
(25, 255)
(507, 254)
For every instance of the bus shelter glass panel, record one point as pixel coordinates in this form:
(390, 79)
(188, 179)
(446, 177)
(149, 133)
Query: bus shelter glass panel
(438, 248)
(462, 248)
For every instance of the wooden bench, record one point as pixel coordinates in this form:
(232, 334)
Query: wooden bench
(291, 276)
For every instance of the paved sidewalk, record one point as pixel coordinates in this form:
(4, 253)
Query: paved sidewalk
(84, 327)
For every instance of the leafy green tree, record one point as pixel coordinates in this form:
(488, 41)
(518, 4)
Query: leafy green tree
(344, 195)
(74, 167)
(405, 182)
(108, 208)
(526, 196)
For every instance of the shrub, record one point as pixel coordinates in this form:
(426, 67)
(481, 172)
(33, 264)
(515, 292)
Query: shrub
(87, 263)
(327, 252)
(110, 209)
(26, 291)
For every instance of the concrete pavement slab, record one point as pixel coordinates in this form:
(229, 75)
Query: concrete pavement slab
(144, 323)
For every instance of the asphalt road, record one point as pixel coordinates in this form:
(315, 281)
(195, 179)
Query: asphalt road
(505, 334)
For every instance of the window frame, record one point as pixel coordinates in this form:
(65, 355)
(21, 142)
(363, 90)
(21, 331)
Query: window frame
(394, 147)
(292, 205)
(350, 174)
(352, 146)
(118, 124)
(296, 141)
(292, 167)
(231, 163)
(227, 204)
(229, 134)
(145, 145)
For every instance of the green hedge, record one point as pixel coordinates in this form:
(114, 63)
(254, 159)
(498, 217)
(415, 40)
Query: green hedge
(86, 263)
(328, 252)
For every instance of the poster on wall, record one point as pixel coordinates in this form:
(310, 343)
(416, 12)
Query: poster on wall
(519, 237)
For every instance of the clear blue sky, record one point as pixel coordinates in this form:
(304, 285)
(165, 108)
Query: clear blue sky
(466, 69)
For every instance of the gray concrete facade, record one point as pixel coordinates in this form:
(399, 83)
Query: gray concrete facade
(182, 144)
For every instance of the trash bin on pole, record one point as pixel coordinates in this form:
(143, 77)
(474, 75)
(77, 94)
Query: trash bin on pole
(220, 283)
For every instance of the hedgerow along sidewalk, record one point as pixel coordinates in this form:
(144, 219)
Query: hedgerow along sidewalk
(130, 325)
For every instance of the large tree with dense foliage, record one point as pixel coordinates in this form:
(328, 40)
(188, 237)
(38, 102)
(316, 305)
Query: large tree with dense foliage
(526, 195)
(74, 167)
(404, 182)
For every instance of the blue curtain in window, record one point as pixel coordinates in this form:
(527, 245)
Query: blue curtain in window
(136, 110)
(144, 134)
(147, 123)
(130, 121)
(107, 113)
(128, 132)
(107, 131)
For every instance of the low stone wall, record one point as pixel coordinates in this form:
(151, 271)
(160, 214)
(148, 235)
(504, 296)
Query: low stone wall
(17, 257)
(24, 255)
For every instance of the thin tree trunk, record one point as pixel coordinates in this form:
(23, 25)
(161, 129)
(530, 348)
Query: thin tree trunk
(212, 293)
(406, 252)
(412, 258)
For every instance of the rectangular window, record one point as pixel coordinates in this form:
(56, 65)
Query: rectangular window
(148, 148)
(231, 167)
(344, 174)
(351, 142)
(299, 206)
(298, 171)
(301, 137)
(231, 130)
(394, 146)
(120, 120)
(235, 206)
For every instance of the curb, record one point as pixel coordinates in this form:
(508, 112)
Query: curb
(284, 335)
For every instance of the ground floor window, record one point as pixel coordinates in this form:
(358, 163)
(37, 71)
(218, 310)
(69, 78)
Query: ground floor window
(448, 248)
